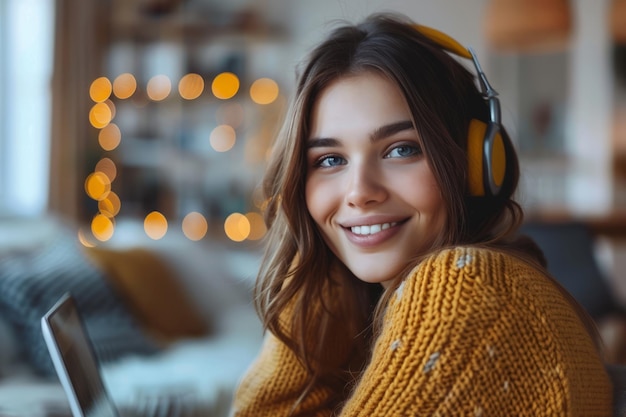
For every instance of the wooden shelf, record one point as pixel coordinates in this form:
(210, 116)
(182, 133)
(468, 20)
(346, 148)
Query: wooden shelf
(612, 225)
(140, 28)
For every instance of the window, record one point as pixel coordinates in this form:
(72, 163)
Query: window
(26, 56)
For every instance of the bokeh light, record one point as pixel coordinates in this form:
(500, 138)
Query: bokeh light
(107, 167)
(237, 227)
(264, 91)
(111, 205)
(97, 186)
(124, 86)
(155, 225)
(257, 226)
(223, 138)
(191, 86)
(195, 226)
(102, 227)
(159, 87)
(100, 89)
(109, 137)
(225, 85)
(100, 115)
(258, 199)
(85, 240)
(112, 107)
(230, 113)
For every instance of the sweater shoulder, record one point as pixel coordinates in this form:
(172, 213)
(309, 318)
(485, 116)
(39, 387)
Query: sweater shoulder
(491, 268)
(462, 272)
(486, 325)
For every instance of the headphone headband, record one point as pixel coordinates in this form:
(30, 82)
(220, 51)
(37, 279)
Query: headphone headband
(445, 41)
(486, 155)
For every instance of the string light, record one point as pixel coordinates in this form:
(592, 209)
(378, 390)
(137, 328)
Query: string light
(225, 85)
(109, 137)
(102, 227)
(264, 91)
(100, 89)
(100, 115)
(257, 226)
(124, 86)
(195, 226)
(223, 138)
(111, 205)
(159, 87)
(155, 225)
(97, 186)
(237, 227)
(191, 86)
(107, 167)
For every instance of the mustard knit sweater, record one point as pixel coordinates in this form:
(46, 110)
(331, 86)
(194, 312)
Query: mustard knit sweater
(470, 332)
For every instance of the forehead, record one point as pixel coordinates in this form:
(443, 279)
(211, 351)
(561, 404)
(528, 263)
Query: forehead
(363, 101)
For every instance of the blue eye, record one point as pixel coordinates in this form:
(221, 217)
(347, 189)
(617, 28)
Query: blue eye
(330, 161)
(403, 151)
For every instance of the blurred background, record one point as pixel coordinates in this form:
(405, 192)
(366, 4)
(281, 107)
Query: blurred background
(151, 120)
(162, 112)
(121, 108)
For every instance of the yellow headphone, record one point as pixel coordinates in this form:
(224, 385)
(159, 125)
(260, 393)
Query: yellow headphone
(485, 148)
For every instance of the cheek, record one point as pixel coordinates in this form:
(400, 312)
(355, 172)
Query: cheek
(314, 199)
(323, 199)
(432, 198)
(421, 191)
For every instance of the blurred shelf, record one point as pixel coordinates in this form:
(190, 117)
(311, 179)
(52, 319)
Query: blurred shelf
(193, 27)
(611, 225)
(166, 161)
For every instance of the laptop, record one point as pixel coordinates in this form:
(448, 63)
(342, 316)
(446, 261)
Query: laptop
(78, 369)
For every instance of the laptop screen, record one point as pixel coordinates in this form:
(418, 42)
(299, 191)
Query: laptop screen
(75, 361)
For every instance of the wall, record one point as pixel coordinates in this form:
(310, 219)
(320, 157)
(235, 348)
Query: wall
(589, 139)
(460, 19)
(587, 186)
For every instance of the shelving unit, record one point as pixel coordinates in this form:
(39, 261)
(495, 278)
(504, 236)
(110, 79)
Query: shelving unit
(165, 161)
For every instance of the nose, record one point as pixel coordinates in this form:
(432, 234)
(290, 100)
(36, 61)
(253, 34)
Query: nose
(365, 186)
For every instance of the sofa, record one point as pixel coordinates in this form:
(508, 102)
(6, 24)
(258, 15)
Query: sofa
(171, 321)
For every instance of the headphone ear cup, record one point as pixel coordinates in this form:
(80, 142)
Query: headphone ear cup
(498, 163)
(475, 146)
(486, 162)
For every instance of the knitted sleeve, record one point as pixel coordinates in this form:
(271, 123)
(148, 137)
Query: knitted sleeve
(475, 333)
(274, 383)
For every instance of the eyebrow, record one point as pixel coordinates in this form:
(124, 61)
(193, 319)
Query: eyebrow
(391, 129)
(378, 134)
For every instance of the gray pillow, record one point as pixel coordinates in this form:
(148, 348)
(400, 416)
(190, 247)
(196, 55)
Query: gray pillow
(8, 347)
(32, 281)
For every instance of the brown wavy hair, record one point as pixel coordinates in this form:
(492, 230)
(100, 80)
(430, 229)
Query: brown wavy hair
(304, 294)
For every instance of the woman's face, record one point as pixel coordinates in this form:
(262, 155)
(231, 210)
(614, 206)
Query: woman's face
(369, 188)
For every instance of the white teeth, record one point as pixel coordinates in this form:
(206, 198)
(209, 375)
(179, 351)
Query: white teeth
(371, 229)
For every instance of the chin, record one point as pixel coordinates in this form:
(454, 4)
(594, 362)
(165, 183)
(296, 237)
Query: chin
(374, 277)
(380, 268)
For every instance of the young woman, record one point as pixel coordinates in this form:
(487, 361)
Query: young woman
(393, 284)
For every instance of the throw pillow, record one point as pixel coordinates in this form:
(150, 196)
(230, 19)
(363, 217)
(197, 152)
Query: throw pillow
(32, 281)
(151, 290)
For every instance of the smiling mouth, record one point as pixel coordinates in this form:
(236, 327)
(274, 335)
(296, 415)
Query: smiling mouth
(371, 229)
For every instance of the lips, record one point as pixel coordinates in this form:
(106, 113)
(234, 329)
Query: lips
(372, 232)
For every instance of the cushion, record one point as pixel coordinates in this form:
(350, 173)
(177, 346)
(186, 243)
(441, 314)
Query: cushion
(151, 291)
(569, 251)
(32, 281)
(618, 377)
(8, 347)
